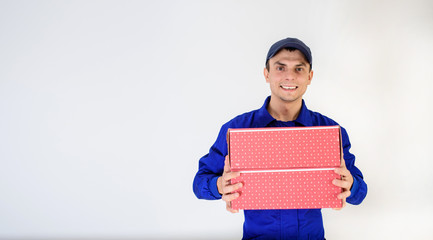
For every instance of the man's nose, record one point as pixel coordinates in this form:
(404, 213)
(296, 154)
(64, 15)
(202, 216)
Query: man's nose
(290, 75)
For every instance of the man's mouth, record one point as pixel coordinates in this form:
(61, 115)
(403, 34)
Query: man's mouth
(289, 87)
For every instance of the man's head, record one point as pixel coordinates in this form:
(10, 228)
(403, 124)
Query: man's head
(290, 44)
(288, 70)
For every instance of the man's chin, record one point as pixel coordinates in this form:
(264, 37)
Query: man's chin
(288, 99)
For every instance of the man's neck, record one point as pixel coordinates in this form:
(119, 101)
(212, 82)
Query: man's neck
(284, 111)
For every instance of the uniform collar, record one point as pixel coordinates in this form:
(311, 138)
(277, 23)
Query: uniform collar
(304, 116)
(264, 117)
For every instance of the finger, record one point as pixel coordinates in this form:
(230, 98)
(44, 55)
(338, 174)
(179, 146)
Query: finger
(343, 171)
(345, 176)
(232, 187)
(342, 162)
(342, 183)
(344, 195)
(227, 164)
(230, 175)
(230, 209)
(230, 197)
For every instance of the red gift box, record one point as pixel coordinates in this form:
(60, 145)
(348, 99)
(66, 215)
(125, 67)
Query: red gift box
(286, 168)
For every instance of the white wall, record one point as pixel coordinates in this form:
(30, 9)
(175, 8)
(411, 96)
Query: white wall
(106, 107)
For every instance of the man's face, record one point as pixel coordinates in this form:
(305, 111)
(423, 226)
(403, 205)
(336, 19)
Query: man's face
(288, 76)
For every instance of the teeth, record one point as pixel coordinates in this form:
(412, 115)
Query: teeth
(288, 88)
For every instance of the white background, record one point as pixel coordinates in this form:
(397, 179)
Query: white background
(107, 106)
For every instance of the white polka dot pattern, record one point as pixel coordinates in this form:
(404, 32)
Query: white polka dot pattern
(288, 190)
(285, 150)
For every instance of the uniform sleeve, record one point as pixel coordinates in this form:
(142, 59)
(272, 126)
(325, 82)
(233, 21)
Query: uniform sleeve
(211, 166)
(359, 187)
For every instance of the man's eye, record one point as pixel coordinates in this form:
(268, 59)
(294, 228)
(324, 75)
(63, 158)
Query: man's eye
(299, 69)
(280, 68)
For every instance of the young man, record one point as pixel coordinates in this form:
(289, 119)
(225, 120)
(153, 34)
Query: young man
(289, 72)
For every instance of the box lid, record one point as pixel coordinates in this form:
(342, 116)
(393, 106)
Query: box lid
(284, 148)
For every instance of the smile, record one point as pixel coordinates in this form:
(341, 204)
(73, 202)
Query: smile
(289, 87)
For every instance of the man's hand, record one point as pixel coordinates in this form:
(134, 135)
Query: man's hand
(345, 182)
(225, 188)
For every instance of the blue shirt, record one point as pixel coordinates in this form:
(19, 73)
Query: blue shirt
(274, 224)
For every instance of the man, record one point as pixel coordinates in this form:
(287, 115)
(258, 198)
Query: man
(289, 72)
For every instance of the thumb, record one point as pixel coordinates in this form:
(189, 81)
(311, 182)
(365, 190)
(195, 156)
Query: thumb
(342, 161)
(227, 164)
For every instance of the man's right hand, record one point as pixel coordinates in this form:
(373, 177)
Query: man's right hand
(225, 188)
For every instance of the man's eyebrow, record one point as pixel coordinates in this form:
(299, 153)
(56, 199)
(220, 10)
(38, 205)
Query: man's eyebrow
(279, 63)
(301, 64)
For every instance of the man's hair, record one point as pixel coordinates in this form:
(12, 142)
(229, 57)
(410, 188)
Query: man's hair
(290, 49)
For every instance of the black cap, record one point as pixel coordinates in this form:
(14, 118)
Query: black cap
(290, 43)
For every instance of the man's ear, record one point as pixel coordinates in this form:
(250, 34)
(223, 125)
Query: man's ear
(310, 77)
(266, 74)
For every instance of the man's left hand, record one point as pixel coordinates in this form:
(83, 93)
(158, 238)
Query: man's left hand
(345, 183)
